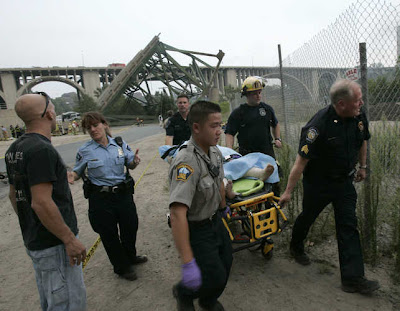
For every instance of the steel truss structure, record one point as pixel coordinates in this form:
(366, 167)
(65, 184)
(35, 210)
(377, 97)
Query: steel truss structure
(155, 63)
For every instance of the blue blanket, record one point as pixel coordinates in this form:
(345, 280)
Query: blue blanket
(235, 169)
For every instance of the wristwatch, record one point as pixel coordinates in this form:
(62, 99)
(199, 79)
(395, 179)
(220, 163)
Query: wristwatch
(278, 139)
(364, 167)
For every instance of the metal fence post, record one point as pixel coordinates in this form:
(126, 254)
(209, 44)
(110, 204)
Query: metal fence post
(368, 223)
(285, 116)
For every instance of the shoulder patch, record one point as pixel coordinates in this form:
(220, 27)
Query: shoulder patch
(128, 148)
(361, 126)
(78, 157)
(183, 172)
(312, 134)
(304, 149)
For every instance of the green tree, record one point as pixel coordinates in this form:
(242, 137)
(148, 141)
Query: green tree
(165, 103)
(125, 106)
(66, 102)
(86, 103)
(384, 89)
(100, 90)
(159, 103)
(59, 105)
(230, 92)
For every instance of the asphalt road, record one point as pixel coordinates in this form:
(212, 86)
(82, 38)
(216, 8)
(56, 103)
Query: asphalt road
(128, 134)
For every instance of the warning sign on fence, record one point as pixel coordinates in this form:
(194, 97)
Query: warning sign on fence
(352, 74)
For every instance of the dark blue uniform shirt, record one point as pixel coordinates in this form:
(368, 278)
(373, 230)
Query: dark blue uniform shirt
(178, 128)
(253, 124)
(332, 144)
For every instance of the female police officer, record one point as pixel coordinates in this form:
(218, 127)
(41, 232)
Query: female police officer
(110, 195)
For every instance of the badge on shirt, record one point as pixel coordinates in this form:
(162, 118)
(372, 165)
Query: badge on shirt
(312, 135)
(183, 172)
(262, 112)
(361, 126)
(120, 152)
(304, 149)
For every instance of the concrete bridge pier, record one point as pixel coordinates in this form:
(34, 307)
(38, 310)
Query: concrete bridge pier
(9, 87)
(221, 82)
(91, 82)
(231, 78)
(213, 94)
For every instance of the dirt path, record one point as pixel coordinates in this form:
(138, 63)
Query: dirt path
(254, 284)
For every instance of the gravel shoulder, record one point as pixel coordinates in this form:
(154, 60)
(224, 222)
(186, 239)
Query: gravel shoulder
(255, 283)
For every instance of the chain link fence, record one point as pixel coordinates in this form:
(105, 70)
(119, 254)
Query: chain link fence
(308, 74)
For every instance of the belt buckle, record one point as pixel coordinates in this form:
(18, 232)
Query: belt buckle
(104, 189)
(211, 218)
(114, 189)
(351, 172)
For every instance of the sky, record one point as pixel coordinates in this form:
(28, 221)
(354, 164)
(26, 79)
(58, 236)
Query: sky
(96, 33)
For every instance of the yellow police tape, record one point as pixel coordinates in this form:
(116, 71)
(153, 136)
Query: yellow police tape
(91, 251)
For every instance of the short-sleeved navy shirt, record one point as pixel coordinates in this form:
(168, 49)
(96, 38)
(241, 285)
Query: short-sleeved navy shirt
(32, 160)
(253, 124)
(178, 128)
(332, 144)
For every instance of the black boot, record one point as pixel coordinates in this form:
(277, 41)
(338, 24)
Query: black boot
(360, 285)
(183, 304)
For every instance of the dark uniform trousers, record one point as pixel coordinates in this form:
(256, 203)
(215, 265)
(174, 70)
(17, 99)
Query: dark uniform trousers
(212, 250)
(343, 196)
(106, 210)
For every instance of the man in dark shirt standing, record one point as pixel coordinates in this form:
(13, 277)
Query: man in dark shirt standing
(253, 121)
(40, 195)
(177, 128)
(331, 144)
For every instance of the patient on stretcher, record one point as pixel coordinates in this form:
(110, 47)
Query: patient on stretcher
(253, 165)
(255, 172)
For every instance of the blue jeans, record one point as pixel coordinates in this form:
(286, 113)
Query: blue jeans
(60, 285)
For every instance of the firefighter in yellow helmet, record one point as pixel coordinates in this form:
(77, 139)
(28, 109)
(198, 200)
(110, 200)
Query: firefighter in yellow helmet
(253, 121)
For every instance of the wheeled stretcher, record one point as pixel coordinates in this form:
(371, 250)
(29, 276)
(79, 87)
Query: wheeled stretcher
(254, 221)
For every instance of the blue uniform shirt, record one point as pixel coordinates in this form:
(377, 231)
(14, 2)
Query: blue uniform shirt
(105, 164)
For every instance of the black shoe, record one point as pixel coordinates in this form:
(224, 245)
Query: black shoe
(139, 259)
(130, 276)
(126, 273)
(215, 307)
(361, 285)
(182, 304)
(300, 257)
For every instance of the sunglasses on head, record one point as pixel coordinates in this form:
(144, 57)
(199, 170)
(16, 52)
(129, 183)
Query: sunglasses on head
(47, 101)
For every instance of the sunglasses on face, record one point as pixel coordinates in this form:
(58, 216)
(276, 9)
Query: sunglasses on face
(47, 101)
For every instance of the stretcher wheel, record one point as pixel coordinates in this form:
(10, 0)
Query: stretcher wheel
(267, 249)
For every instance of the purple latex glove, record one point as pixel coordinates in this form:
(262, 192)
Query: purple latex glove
(191, 275)
(226, 211)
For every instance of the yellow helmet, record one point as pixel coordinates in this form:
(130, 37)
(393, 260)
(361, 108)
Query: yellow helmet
(252, 84)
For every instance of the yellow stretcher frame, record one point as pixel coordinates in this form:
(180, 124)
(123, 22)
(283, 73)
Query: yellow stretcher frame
(260, 224)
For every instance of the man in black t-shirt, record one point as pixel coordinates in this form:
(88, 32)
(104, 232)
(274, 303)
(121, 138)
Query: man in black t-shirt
(40, 196)
(177, 128)
(331, 144)
(253, 121)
